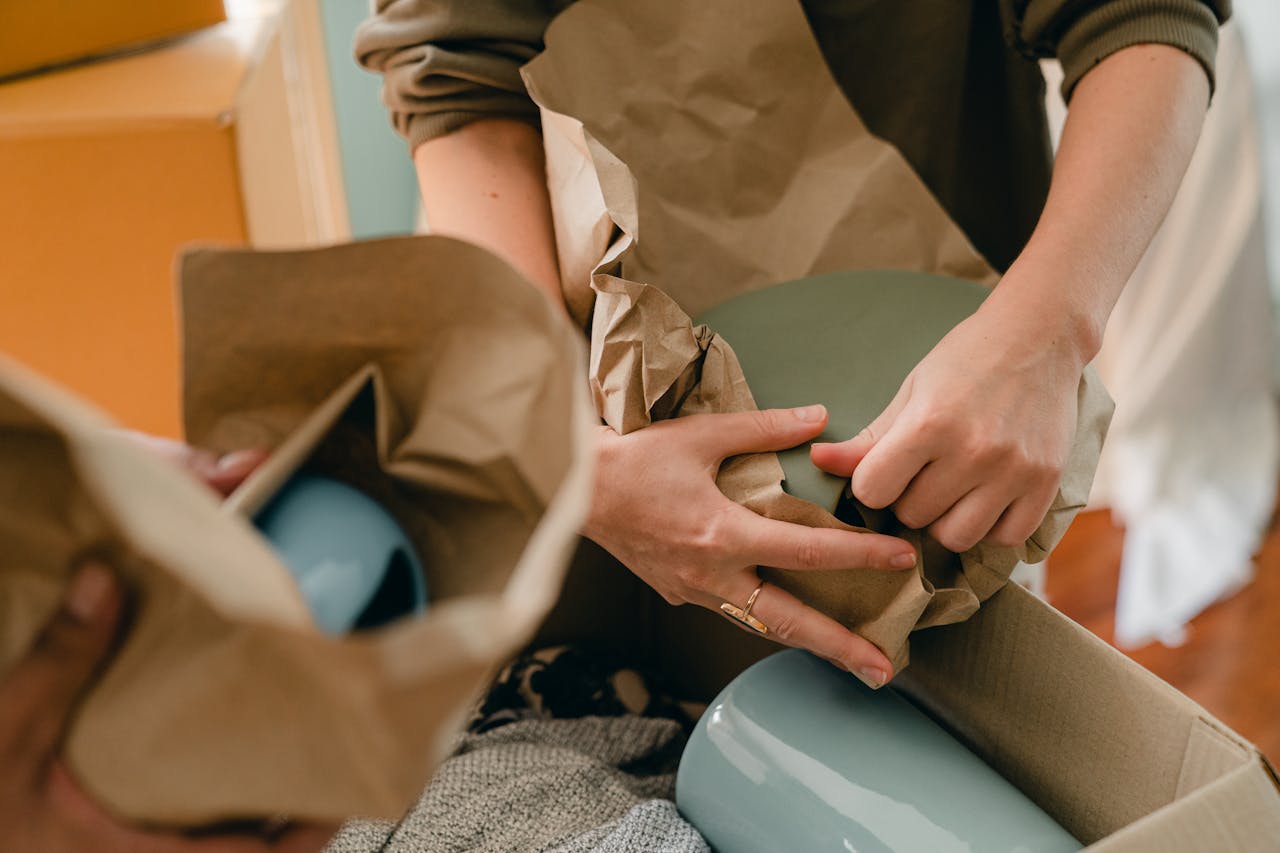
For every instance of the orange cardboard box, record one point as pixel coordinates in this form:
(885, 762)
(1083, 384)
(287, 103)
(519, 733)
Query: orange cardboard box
(36, 34)
(106, 170)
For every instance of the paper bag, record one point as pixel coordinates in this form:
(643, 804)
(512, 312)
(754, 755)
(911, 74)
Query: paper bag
(424, 371)
(713, 140)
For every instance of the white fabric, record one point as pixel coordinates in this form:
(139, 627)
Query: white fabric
(1190, 463)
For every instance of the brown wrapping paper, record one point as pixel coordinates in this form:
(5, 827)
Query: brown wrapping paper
(423, 370)
(701, 151)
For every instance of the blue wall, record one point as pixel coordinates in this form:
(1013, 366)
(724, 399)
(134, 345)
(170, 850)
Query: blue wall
(382, 192)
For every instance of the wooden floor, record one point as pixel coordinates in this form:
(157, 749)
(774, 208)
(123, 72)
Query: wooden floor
(1230, 662)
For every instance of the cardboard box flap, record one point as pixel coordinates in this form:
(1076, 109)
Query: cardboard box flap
(1093, 738)
(195, 79)
(1237, 813)
(41, 34)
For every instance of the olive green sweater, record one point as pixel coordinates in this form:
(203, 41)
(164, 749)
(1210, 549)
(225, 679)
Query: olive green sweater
(953, 84)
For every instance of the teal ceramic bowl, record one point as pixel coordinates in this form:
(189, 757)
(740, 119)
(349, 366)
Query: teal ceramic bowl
(797, 755)
(355, 566)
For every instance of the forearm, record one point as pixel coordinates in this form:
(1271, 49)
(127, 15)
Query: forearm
(486, 184)
(1131, 130)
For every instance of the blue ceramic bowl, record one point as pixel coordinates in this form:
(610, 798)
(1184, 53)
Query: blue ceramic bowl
(797, 755)
(353, 563)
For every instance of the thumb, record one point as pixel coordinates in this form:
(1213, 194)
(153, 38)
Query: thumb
(40, 691)
(841, 458)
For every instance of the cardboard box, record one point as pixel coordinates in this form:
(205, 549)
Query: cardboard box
(1122, 760)
(41, 34)
(109, 168)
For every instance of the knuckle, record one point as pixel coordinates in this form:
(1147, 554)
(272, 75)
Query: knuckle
(1012, 535)
(712, 536)
(912, 516)
(986, 450)
(786, 628)
(1048, 473)
(865, 493)
(926, 423)
(953, 540)
(909, 519)
(691, 575)
(809, 554)
(1006, 537)
(851, 656)
(768, 424)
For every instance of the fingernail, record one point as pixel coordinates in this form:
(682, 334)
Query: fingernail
(904, 561)
(810, 414)
(874, 678)
(235, 459)
(90, 588)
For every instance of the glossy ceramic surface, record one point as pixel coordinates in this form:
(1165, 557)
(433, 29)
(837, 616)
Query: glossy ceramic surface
(796, 755)
(353, 563)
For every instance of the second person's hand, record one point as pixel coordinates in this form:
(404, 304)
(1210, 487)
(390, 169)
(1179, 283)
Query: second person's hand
(658, 510)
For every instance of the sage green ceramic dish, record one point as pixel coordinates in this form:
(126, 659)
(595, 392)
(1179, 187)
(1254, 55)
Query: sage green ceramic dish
(795, 755)
(846, 340)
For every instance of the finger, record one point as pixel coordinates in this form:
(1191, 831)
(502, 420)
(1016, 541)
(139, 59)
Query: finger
(783, 545)
(889, 467)
(794, 623)
(37, 697)
(221, 473)
(933, 492)
(230, 470)
(1022, 518)
(734, 433)
(842, 458)
(971, 519)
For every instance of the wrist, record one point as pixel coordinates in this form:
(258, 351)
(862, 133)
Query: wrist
(1051, 310)
(593, 525)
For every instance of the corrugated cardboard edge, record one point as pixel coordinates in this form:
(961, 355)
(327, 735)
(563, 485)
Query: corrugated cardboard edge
(1123, 760)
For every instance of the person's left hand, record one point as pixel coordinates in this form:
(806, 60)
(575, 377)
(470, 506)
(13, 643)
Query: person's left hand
(974, 444)
(42, 808)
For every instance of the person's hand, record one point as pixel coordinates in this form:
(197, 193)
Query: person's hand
(220, 473)
(657, 509)
(42, 808)
(974, 444)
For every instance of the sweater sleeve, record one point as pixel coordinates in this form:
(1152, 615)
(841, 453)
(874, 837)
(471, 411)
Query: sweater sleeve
(1082, 33)
(446, 63)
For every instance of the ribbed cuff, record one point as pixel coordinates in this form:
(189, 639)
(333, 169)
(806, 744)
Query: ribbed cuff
(1189, 25)
(418, 128)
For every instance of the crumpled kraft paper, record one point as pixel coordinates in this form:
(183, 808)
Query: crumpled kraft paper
(424, 371)
(703, 150)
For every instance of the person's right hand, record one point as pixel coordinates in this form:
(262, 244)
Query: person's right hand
(220, 473)
(658, 510)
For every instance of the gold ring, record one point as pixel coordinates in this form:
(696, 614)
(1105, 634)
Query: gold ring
(743, 617)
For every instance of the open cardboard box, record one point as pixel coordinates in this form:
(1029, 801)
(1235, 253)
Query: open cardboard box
(1120, 758)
